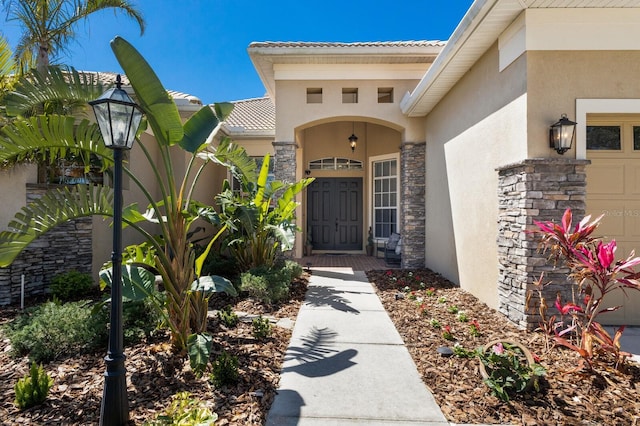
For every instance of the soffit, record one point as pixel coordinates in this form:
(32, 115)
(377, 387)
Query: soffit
(477, 31)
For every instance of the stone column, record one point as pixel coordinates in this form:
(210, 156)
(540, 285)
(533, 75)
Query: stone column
(413, 207)
(284, 167)
(534, 189)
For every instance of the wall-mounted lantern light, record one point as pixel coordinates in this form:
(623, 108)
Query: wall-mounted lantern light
(561, 134)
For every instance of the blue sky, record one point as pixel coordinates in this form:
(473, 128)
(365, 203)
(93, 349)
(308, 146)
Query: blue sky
(200, 46)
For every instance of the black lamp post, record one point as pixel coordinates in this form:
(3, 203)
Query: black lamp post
(118, 117)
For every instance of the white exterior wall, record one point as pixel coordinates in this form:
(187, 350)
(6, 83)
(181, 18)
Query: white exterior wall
(481, 124)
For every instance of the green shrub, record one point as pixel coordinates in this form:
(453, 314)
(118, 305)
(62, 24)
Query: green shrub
(224, 370)
(52, 330)
(33, 389)
(228, 317)
(139, 319)
(185, 411)
(71, 285)
(293, 269)
(261, 327)
(266, 285)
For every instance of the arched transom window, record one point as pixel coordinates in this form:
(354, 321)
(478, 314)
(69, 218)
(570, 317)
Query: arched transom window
(335, 163)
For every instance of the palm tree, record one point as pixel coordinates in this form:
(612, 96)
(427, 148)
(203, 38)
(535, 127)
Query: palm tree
(7, 75)
(48, 25)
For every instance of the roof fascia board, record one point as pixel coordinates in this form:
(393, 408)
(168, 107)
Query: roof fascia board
(504, 10)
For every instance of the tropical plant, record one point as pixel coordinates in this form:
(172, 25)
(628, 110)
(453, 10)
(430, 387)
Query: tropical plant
(33, 389)
(260, 217)
(185, 411)
(187, 291)
(508, 371)
(48, 25)
(594, 274)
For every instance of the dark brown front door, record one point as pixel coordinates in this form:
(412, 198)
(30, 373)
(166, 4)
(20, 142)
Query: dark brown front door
(334, 213)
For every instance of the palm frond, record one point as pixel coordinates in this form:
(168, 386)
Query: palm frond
(54, 208)
(7, 65)
(53, 135)
(66, 91)
(125, 6)
(233, 156)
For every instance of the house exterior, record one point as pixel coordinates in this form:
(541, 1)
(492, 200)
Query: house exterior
(452, 147)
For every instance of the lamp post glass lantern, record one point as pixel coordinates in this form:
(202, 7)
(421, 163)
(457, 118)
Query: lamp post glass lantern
(561, 134)
(118, 118)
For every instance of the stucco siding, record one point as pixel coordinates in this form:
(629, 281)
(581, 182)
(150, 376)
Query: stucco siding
(293, 111)
(13, 187)
(557, 79)
(478, 126)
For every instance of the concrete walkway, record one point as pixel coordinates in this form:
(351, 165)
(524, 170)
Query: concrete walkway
(346, 364)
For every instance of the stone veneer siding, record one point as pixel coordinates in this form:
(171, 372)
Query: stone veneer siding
(64, 248)
(534, 189)
(413, 207)
(284, 168)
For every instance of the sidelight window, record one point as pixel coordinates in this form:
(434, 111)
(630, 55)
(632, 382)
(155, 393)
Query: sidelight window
(385, 197)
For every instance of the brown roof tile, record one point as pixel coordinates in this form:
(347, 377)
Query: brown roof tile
(252, 115)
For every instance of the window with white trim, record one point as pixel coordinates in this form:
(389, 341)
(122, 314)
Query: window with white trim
(385, 197)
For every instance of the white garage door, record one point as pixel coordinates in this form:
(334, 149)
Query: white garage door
(613, 189)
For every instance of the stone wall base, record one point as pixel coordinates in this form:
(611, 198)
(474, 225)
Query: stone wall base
(65, 248)
(533, 190)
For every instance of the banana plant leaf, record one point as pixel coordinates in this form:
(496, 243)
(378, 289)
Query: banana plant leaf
(137, 282)
(214, 284)
(199, 348)
(152, 97)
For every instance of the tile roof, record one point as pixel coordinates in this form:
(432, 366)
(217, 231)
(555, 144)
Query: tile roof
(375, 44)
(256, 115)
(109, 78)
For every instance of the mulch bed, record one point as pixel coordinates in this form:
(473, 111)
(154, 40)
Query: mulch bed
(608, 397)
(154, 373)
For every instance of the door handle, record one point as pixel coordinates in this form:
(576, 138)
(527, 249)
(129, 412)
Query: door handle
(336, 224)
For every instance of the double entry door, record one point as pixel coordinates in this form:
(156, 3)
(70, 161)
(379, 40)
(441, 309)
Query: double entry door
(334, 213)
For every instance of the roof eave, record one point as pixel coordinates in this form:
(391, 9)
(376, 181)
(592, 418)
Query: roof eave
(462, 50)
(264, 55)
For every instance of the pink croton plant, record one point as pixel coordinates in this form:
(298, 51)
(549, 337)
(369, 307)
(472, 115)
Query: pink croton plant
(595, 273)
